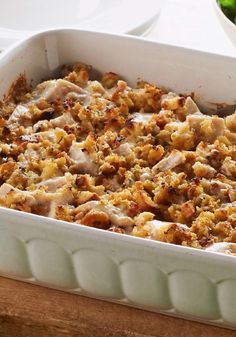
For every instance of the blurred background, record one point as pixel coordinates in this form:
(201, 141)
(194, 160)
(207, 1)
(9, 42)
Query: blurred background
(187, 23)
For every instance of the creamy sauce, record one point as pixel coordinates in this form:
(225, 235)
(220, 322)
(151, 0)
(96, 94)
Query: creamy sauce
(157, 227)
(223, 247)
(141, 117)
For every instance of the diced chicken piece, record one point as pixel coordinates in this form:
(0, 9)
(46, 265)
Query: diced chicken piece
(54, 184)
(228, 204)
(49, 135)
(35, 196)
(216, 188)
(82, 159)
(228, 248)
(5, 189)
(203, 170)
(191, 106)
(63, 197)
(229, 167)
(174, 159)
(58, 122)
(139, 117)
(61, 121)
(49, 90)
(230, 122)
(216, 183)
(74, 96)
(117, 217)
(137, 123)
(53, 90)
(30, 138)
(21, 115)
(43, 125)
(195, 121)
(213, 128)
(124, 149)
(208, 128)
(158, 228)
(38, 197)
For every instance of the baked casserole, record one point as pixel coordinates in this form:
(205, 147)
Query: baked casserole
(140, 161)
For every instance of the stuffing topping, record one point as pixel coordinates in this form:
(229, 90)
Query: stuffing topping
(137, 161)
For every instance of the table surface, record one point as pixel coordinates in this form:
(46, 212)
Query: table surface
(31, 311)
(27, 310)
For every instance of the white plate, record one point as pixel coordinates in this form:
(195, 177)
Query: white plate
(19, 19)
(228, 26)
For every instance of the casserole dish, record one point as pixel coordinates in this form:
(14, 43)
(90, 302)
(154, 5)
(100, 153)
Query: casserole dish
(157, 276)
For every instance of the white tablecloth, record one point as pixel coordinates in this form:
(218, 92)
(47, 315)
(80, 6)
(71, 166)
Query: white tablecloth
(191, 23)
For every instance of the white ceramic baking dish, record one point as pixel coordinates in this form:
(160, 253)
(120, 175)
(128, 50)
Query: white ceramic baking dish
(157, 276)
